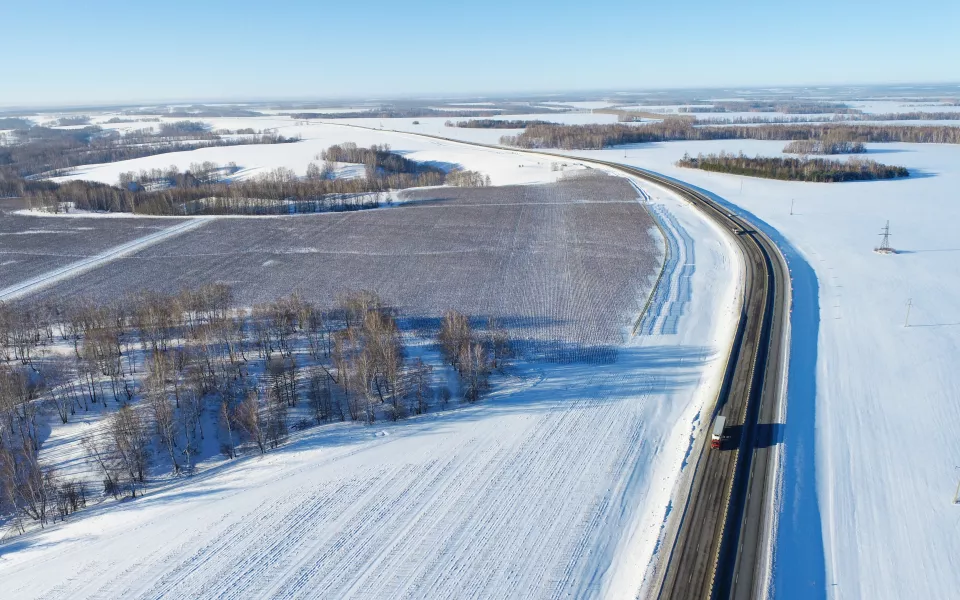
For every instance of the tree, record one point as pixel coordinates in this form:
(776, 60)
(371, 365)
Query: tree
(248, 417)
(130, 445)
(420, 386)
(164, 418)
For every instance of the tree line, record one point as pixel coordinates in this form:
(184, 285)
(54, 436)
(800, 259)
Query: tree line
(196, 111)
(395, 113)
(168, 371)
(42, 150)
(840, 118)
(205, 189)
(495, 123)
(15, 123)
(824, 147)
(403, 112)
(796, 108)
(794, 169)
(597, 136)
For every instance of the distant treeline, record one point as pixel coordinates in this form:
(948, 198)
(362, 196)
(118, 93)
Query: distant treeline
(72, 121)
(42, 150)
(202, 190)
(845, 118)
(15, 123)
(824, 147)
(404, 112)
(911, 116)
(591, 137)
(139, 120)
(794, 169)
(395, 113)
(794, 108)
(196, 111)
(494, 124)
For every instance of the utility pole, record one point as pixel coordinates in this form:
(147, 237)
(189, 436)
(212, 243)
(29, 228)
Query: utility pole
(906, 322)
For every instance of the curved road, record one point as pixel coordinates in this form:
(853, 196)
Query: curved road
(723, 535)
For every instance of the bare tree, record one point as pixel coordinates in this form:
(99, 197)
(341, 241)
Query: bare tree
(249, 419)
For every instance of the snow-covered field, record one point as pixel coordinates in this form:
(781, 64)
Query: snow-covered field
(504, 168)
(557, 485)
(871, 446)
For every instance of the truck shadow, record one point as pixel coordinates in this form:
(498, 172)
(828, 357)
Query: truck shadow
(767, 435)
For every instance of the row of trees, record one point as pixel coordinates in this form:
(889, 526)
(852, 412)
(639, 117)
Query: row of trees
(824, 147)
(173, 374)
(836, 118)
(196, 174)
(463, 178)
(596, 136)
(394, 113)
(794, 169)
(495, 123)
(796, 108)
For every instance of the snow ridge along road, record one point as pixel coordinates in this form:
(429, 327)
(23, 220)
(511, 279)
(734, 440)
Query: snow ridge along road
(43, 280)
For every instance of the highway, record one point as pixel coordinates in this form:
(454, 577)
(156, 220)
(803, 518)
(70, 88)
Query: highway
(722, 531)
(723, 534)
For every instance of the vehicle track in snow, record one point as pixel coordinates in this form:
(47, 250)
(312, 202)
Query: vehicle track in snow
(34, 284)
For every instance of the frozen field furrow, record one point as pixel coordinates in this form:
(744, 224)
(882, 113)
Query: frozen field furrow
(563, 276)
(30, 246)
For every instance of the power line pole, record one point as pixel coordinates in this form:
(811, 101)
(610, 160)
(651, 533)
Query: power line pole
(906, 322)
(884, 247)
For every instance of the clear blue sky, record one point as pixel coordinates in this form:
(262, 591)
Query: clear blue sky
(99, 51)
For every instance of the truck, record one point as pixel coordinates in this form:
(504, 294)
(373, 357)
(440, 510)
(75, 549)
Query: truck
(718, 425)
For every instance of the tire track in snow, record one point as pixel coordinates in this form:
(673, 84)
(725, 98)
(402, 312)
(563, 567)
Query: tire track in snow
(478, 520)
(34, 284)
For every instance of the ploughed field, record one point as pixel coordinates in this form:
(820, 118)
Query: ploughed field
(565, 266)
(31, 246)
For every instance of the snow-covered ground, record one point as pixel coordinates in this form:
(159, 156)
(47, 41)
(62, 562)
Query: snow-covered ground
(870, 445)
(558, 484)
(504, 168)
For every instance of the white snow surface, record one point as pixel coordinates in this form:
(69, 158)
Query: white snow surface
(557, 484)
(504, 168)
(886, 410)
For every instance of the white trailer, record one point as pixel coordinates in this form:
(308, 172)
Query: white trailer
(718, 424)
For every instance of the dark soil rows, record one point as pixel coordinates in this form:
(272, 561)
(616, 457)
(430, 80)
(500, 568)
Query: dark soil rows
(30, 246)
(565, 266)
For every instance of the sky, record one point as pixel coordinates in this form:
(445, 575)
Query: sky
(76, 53)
